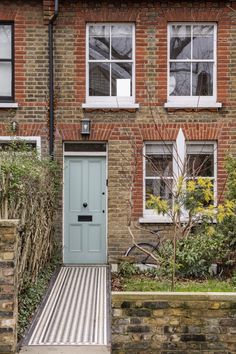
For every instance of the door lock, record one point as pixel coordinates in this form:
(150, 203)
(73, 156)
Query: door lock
(85, 205)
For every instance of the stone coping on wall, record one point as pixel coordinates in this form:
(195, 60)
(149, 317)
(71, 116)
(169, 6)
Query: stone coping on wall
(9, 222)
(166, 295)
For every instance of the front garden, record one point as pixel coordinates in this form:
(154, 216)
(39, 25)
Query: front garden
(200, 254)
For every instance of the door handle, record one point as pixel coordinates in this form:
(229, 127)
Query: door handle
(85, 205)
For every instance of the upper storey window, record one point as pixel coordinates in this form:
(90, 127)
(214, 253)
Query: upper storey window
(6, 62)
(192, 64)
(110, 64)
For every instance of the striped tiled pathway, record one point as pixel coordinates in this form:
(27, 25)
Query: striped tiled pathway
(76, 312)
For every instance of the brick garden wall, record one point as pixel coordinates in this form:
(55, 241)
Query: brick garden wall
(8, 286)
(161, 323)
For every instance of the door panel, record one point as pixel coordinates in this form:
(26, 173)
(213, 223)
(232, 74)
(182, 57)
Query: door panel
(85, 210)
(94, 238)
(75, 238)
(75, 185)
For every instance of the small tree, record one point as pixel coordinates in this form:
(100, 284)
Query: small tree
(192, 200)
(187, 199)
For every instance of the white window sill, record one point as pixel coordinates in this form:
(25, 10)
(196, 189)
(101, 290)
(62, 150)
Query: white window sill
(162, 220)
(193, 105)
(110, 106)
(9, 105)
(155, 220)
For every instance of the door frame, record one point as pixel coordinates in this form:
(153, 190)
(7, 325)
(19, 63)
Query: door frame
(84, 154)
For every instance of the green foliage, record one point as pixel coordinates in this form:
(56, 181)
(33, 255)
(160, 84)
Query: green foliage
(233, 280)
(231, 180)
(194, 255)
(190, 254)
(228, 225)
(28, 192)
(22, 174)
(158, 204)
(31, 297)
(148, 284)
(198, 195)
(127, 269)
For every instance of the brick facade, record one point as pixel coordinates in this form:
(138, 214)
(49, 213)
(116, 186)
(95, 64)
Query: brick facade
(117, 127)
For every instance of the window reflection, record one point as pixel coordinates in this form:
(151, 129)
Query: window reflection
(191, 49)
(110, 60)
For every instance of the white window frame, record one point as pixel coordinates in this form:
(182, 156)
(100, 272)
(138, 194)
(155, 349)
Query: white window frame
(29, 139)
(193, 101)
(179, 152)
(110, 101)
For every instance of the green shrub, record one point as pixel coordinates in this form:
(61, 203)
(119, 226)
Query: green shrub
(28, 191)
(228, 226)
(127, 269)
(194, 255)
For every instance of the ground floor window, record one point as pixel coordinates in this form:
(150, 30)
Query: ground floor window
(165, 162)
(33, 142)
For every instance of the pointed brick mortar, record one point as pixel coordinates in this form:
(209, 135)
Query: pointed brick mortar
(8, 285)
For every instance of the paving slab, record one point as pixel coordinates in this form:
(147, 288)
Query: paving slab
(82, 349)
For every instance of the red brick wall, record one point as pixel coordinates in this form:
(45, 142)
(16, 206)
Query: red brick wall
(151, 40)
(31, 70)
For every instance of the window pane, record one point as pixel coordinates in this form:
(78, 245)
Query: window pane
(5, 42)
(121, 42)
(99, 42)
(200, 165)
(203, 42)
(202, 79)
(121, 79)
(99, 79)
(5, 79)
(179, 82)
(159, 188)
(199, 149)
(159, 149)
(180, 42)
(159, 165)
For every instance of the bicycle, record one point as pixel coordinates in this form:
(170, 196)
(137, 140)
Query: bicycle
(141, 257)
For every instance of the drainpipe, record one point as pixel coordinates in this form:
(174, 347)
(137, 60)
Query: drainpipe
(51, 79)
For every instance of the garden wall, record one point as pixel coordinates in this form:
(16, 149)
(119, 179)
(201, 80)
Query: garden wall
(178, 323)
(8, 286)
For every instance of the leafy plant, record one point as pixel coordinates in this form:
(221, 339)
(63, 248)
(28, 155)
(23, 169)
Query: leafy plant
(228, 225)
(194, 255)
(127, 269)
(31, 296)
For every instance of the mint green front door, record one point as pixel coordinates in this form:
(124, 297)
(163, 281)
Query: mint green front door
(85, 210)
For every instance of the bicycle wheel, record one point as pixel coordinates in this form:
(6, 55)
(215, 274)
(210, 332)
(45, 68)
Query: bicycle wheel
(139, 256)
